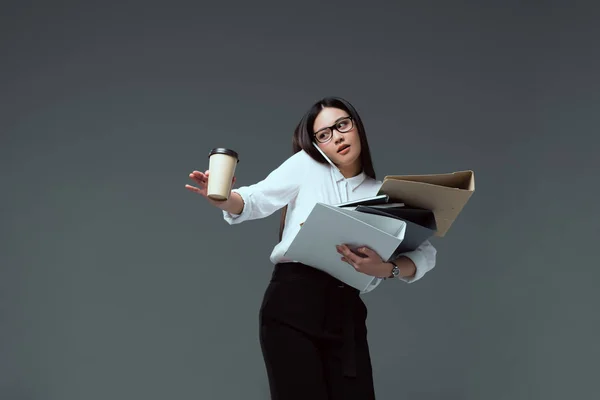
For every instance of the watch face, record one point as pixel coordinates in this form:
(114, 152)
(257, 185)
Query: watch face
(395, 270)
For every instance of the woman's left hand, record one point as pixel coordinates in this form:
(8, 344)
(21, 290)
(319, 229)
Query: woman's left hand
(369, 262)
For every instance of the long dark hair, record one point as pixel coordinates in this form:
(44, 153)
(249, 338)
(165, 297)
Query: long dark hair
(303, 139)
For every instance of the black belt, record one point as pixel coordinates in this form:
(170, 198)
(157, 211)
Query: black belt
(343, 298)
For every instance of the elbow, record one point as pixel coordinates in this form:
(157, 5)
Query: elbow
(424, 259)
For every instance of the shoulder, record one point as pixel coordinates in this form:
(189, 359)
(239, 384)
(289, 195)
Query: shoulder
(298, 158)
(305, 159)
(295, 168)
(302, 157)
(301, 162)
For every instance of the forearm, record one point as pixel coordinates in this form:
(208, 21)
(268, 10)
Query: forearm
(415, 264)
(407, 267)
(233, 205)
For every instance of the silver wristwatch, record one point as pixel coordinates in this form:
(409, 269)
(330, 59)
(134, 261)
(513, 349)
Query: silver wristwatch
(395, 270)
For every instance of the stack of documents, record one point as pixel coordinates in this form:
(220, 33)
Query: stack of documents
(387, 228)
(407, 211)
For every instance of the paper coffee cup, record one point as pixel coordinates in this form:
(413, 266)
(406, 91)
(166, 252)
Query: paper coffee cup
(221, 167)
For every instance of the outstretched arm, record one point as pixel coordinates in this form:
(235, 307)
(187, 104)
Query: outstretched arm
(270, 194)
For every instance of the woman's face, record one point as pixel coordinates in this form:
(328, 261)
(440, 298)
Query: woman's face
(342, 148)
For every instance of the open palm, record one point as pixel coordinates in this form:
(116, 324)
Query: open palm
(201, 180)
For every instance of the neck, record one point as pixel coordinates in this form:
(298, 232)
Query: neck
(349, 171)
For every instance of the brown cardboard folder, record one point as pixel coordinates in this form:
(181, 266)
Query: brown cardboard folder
(444, 194)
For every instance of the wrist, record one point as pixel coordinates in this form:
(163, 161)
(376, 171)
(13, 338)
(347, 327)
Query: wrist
(234, 204)
(389, 270)
(224, 205)
(407, 267)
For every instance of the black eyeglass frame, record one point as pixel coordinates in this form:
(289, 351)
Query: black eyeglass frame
(332, 127)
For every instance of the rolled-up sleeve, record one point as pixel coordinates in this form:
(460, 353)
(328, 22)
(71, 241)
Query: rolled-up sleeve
(424, 258)
(273, 192)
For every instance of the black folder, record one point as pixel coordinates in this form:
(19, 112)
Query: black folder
(367, 201)
(420, 224)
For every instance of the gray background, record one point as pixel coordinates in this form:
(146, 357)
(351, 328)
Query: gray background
(117, 283)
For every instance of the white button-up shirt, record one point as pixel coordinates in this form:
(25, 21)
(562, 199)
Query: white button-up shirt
(300, 182)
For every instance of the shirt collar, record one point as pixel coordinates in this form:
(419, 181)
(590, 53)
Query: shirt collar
(354, 182)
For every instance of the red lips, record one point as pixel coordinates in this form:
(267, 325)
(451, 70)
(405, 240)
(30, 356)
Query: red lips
(342, 147)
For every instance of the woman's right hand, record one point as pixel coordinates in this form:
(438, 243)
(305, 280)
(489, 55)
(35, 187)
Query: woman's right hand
(201, 179)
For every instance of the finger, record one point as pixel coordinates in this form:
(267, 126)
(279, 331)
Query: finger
(193, 189)
(366, 251)
(198, 174)
(354, 265)
(346, 252)
(200, 179)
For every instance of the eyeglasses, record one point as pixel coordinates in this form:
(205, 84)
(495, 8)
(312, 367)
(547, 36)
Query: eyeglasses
(343, 125)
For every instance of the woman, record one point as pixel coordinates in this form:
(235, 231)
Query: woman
(313, 327)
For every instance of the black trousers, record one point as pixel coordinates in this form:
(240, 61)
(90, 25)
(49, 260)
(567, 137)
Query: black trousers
(314, 338)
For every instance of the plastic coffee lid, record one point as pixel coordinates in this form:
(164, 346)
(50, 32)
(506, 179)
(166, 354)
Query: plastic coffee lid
(221, 150)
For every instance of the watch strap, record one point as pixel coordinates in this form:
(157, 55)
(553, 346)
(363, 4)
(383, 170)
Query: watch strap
(395, 270)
